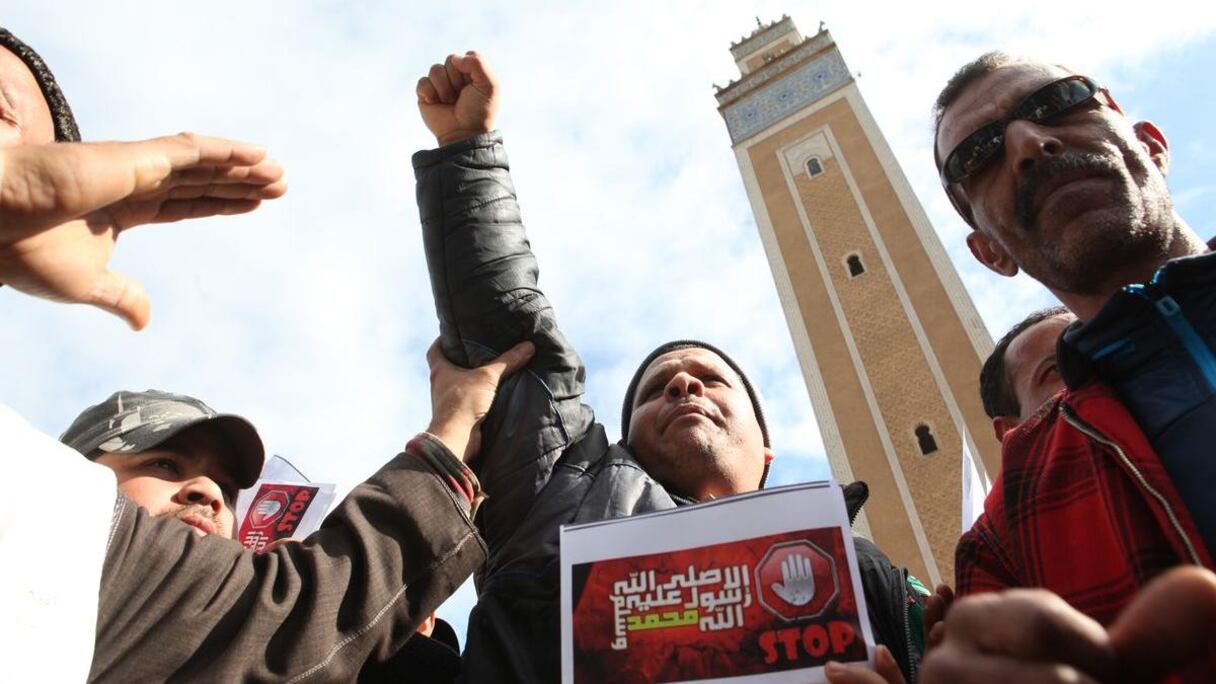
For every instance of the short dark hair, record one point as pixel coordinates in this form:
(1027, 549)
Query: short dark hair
(968, 74)
(995, 389)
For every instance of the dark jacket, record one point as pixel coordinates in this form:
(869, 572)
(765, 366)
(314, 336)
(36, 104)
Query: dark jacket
(178, 607)
(544, 461)
(433, 659)
(1152, 344)
(1082, 507)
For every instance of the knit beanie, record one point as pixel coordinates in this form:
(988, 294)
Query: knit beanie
(627, 406)
(61, 113)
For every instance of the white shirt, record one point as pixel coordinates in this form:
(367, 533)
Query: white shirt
(56, 509)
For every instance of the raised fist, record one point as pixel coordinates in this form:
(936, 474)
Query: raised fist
(459, 98)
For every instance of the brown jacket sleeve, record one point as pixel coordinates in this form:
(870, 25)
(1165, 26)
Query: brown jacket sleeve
(181, 607)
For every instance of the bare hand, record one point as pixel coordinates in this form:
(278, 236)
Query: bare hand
(63, 206)
(461, 397)
(1031, 635)
(886, 670)
(459, 98)
(936, 608)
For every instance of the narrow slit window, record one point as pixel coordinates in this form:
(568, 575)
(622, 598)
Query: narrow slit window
(856, 268)
(925, 440)
(814, 167)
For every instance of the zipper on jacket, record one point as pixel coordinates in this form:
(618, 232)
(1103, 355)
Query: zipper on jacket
(1171, 312)
(913, 660)
(1073, 420)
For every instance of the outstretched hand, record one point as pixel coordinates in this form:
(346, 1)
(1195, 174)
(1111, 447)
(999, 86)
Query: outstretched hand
(461, 397)
(63, 206)
(459, 98)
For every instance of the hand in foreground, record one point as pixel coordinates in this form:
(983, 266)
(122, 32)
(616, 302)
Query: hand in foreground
(461, 397)
(936, 608)
(459, 98)
(63, 206)
(1031, 635)
(886, 670)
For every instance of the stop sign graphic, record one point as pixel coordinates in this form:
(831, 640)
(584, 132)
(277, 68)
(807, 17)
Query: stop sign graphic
(797, 580)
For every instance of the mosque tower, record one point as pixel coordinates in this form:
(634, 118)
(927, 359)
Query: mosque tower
(889, 342)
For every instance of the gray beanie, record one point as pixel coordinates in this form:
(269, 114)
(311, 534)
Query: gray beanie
(627, 405)
(61, 113)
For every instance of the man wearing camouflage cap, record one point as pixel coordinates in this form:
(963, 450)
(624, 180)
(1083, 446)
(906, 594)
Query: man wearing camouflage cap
(172, 455)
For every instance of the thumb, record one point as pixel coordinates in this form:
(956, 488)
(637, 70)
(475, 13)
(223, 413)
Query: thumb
(122, 297)
(1167, 626)
(513, 359)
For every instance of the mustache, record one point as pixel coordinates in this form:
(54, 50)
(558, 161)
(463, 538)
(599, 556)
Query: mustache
(1044, 173)
(204, 512)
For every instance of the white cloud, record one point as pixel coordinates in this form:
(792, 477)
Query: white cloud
(312, 316)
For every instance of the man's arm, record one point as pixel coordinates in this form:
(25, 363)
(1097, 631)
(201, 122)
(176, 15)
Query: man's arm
(175, 605)
(977, 565)
(484, 279)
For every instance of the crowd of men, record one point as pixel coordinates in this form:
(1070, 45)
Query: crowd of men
(1091, 561)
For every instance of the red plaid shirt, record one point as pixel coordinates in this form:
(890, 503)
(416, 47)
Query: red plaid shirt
(1083, 508)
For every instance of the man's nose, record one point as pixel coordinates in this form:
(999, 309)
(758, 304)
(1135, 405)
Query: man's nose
(1028, 144)
(201, 491)
(683, 384)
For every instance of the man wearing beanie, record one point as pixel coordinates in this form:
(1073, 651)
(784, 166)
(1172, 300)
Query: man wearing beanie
(693, 426)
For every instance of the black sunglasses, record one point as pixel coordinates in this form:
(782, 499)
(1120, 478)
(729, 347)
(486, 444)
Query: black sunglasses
(975, 151)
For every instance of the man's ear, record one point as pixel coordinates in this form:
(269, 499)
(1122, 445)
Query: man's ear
(990, 254)
(1003, 424)
(1154, 141)
(768, 455)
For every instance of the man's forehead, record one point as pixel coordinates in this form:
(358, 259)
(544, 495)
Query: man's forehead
(685, 356)
(1028, 349)
(990, 97)
(14, 72)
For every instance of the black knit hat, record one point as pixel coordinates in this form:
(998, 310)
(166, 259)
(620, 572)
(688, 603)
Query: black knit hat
(61, 113)
(627, 405)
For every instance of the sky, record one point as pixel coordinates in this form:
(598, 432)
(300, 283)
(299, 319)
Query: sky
(311, 316)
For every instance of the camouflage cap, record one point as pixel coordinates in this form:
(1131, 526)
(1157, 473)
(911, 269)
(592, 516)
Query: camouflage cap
(131, 422)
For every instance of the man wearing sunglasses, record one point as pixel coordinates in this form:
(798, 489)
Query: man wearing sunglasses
(1107, 486)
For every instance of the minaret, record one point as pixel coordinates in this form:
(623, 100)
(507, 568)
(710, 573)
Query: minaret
(889, 342)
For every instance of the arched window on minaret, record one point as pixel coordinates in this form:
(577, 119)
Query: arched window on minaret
(856, 268)
(925, 439)
(814, 167)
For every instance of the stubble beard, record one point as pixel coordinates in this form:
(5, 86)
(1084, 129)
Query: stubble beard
(1124, 241)
(694, 461)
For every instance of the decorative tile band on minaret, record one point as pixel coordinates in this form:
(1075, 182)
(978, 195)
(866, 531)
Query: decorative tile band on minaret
(889, 342)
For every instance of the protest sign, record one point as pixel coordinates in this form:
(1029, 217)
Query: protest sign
(280, 505)
(761, 587)
(975, 488)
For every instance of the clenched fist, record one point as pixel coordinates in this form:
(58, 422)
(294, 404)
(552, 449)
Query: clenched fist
(459, 98)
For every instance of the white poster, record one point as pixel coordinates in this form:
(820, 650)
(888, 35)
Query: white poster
(761, 587)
